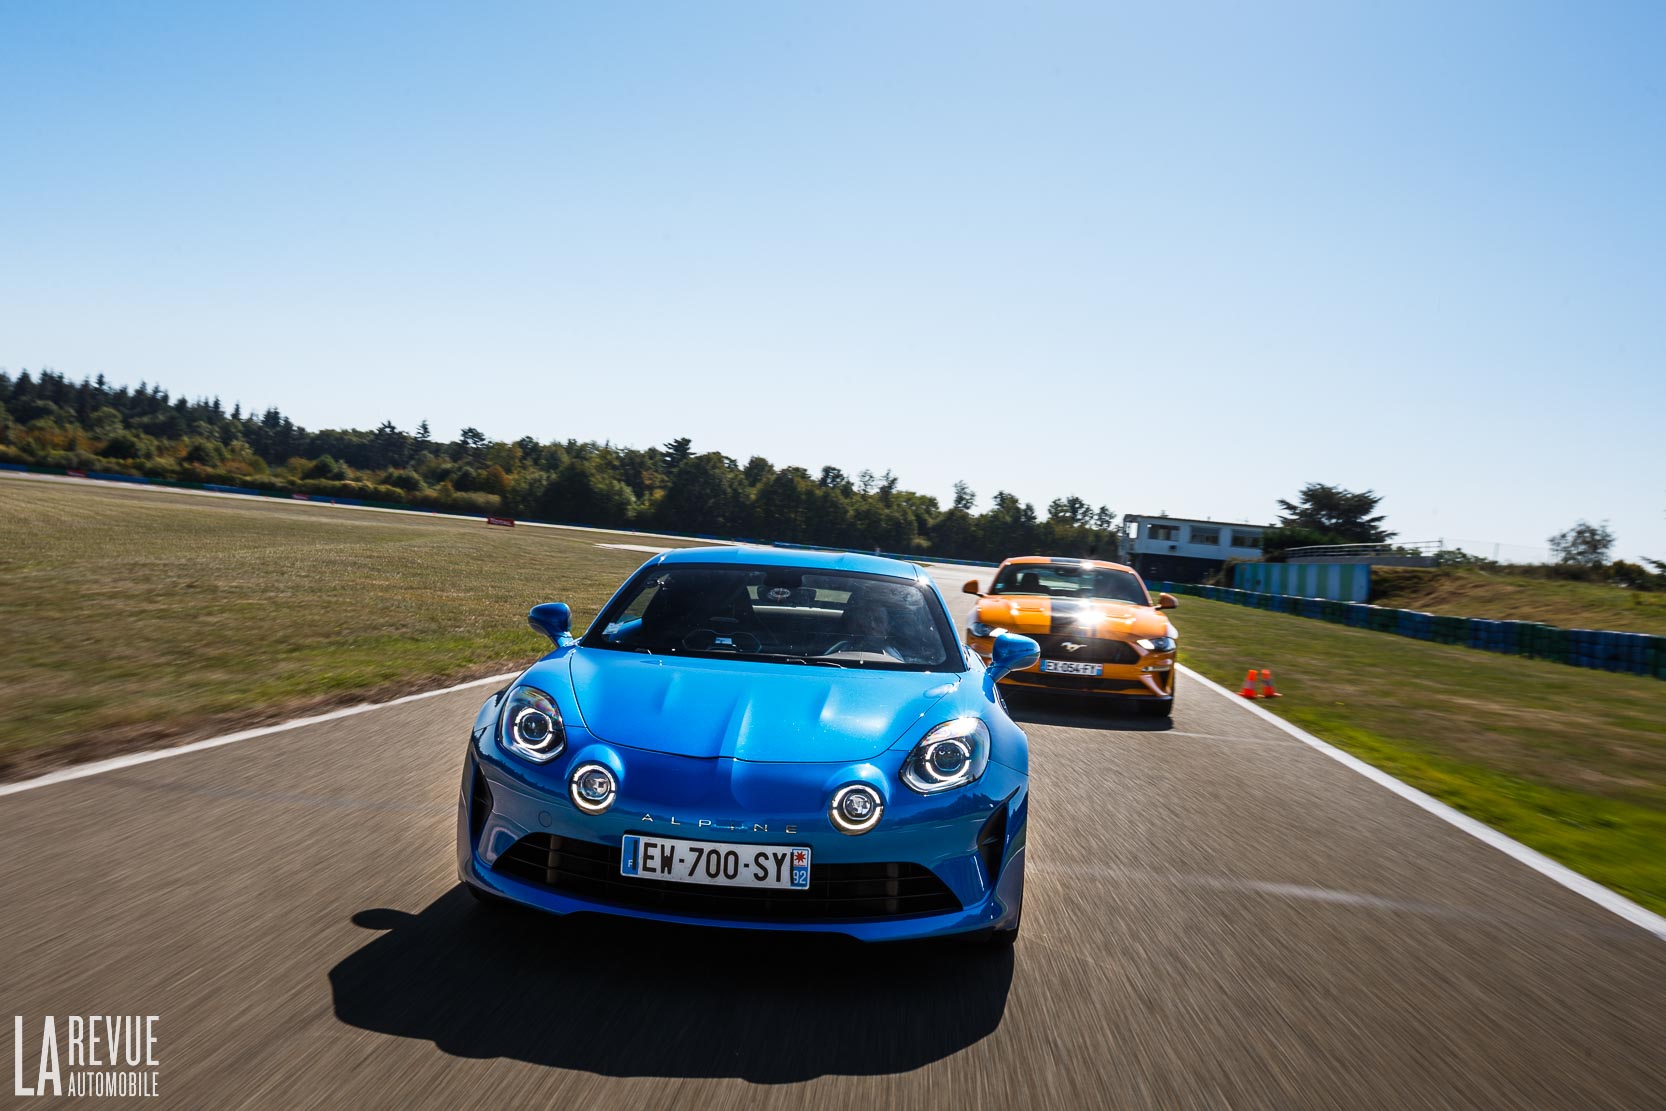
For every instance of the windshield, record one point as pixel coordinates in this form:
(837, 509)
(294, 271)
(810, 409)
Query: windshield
(1065, 580)
(791, 615)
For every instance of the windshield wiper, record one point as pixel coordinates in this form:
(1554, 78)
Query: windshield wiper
(789, 658)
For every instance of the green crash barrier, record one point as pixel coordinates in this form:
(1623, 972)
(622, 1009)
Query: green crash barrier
(1634, 653)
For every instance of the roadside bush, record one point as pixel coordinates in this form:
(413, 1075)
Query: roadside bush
(203, 453)
(1634, 576)
(362, 491)
(128, 445)
(249, 481)
(69, 460)
(454, 501)
(400, 479)
(327, 469)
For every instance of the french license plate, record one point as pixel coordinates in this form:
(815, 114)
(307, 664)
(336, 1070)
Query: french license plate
(1071, 667)
(667, 858)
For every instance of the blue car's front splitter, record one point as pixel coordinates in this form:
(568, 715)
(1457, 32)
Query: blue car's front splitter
(991, 913)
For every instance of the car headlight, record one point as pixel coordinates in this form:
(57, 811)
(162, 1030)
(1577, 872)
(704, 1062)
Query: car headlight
(979, 629)
(592, 788)
(951, 755)
(531, 726)
(855, 809)
(1157, 644)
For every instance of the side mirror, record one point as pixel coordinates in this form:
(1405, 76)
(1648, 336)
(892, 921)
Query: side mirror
(1012, 653)
(553, 619)
(971, 587)
(1167, 601)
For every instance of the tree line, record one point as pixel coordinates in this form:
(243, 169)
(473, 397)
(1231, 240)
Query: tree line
(47, 419)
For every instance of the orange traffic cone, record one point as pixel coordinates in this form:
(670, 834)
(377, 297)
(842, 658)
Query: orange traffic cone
(1249, 685)
(1267, 688)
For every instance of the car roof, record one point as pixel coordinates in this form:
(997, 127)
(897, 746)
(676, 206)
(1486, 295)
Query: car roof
(1071, 561)
(796, 557)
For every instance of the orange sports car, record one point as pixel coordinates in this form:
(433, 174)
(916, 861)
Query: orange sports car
(1099, 630)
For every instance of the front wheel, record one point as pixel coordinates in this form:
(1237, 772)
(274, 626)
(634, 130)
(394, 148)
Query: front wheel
(1157, 707)
(487, 901)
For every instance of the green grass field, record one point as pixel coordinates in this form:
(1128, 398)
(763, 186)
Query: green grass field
(1569, 761)
(134, 617)
(1500, 596)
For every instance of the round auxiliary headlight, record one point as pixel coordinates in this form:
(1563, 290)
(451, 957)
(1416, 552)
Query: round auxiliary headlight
(592, 788)
(855, 809)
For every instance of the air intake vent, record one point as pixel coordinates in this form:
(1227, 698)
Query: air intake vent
(480, 805)
(992, 843)
(837, 893)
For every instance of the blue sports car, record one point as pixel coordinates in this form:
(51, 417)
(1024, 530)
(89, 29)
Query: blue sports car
(757, 739)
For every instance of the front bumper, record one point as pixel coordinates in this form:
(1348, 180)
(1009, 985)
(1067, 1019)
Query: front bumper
(966, 846)
(1151, 677)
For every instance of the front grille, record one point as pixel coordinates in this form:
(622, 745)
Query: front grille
(838, 892)
(1094, 649)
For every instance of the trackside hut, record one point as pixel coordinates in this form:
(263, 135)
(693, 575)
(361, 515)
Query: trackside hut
(1183, 549)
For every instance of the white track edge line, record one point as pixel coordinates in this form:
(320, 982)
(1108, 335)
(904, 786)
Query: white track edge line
(82, 771)
(1604, 897)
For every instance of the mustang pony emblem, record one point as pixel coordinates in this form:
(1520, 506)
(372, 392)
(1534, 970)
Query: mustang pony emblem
(1071, 646)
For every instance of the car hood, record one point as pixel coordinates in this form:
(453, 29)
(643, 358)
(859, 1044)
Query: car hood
(749, 710)
(1030, 614)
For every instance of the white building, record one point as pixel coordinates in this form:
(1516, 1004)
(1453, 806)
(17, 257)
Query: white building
(1182, 549)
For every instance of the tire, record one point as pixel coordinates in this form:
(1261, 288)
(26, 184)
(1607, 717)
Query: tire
(494, 904)
(1157, 707)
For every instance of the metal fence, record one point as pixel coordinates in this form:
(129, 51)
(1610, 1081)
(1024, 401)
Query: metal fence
(1427, 553)
(1363, 552)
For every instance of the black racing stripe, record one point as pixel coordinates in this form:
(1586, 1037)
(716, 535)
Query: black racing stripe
(1063, 616)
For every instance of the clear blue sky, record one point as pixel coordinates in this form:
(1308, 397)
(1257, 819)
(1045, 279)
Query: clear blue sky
(1181, 262)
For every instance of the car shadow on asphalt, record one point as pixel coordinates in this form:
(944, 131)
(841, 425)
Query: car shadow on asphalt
(623, 998)
(1075, 711)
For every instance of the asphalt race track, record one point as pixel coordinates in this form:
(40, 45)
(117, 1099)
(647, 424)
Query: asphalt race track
(1217, 916)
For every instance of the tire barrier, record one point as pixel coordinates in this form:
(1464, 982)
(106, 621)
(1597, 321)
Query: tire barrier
(1603, 650)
